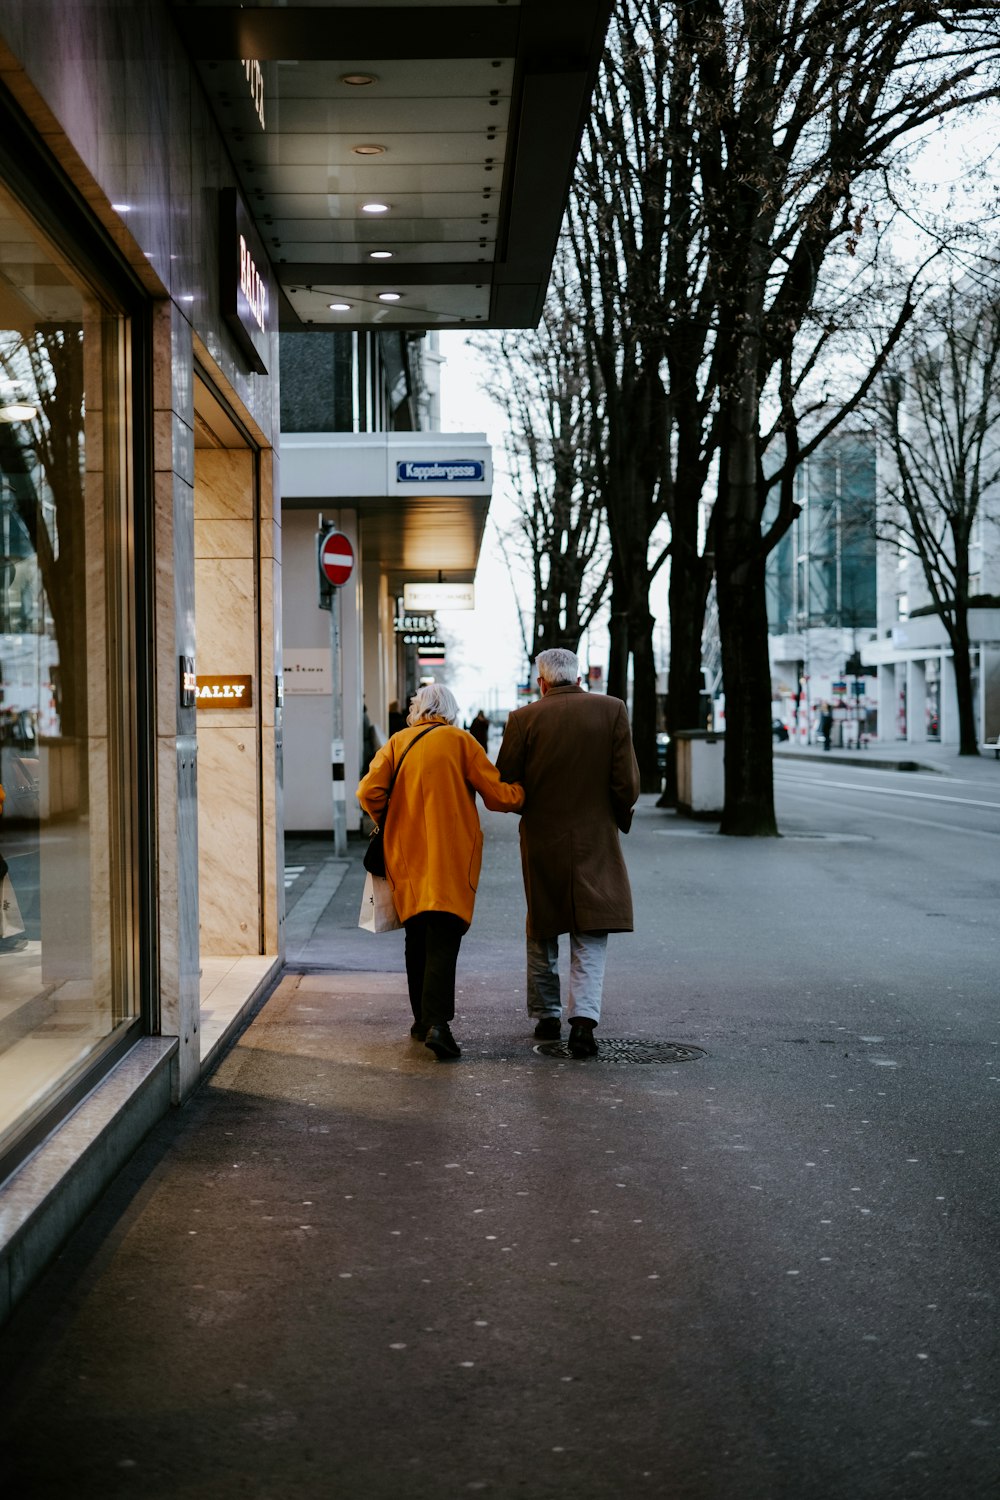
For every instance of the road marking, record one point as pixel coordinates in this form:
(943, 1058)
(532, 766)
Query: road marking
(868, 812)
(892, 791)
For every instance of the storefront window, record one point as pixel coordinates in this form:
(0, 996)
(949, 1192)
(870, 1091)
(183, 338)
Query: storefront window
(66, 986)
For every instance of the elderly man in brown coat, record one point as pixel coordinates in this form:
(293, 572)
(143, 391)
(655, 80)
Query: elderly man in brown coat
(572, 752)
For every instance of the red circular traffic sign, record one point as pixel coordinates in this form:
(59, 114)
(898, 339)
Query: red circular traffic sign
(336, 558)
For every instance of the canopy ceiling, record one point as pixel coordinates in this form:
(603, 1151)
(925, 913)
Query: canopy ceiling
(463, 120)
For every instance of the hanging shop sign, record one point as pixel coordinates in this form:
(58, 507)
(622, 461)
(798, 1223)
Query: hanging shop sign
(248, 303)
(420, 596)
(405, 623)
(227, 691)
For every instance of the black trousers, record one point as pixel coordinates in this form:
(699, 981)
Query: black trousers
(433, 939)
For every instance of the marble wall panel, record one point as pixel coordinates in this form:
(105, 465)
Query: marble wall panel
(221, 539)
(178, 900)
(228, 824)
(226, 615)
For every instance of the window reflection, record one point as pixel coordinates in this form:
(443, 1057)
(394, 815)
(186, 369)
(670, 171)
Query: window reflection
(63, 987)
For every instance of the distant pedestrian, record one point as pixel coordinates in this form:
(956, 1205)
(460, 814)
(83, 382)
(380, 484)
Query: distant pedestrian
(480, 729)
(825, 724)
(397, 719)
(572, 751)
(434, 848)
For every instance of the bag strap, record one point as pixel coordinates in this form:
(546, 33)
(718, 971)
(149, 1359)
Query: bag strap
(405, 753)
(392, 783)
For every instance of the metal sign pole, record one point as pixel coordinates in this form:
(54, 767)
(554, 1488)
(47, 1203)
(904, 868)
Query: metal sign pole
(329, 598)
(337, 745)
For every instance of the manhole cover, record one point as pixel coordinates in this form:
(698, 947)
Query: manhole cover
(628, 1049)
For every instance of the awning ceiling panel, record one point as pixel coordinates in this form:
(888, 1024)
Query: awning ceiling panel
(462, 119)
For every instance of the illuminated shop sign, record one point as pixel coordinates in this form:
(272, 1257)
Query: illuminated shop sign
(225, 692)
(404, 623)
(441, 471)
(247, 299)
(431, 596)
(255, 83)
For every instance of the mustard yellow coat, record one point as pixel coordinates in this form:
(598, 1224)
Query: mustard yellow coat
(433, 841)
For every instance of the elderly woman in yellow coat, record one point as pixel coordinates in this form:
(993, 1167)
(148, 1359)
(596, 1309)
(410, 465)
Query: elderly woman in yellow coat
(434, 847)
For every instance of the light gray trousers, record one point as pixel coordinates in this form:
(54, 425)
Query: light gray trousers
(587, 954)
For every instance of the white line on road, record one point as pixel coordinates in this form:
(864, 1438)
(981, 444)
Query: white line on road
(877, 812)
(892, 791)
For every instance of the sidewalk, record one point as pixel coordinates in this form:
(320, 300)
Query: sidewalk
(345, 1271)
(897, 755)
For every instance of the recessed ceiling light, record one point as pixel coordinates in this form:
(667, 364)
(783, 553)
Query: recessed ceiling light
(121, 208)
(357, 80)
(380, 255)
(339, 306)
(374, 208)
(368, 150)
(389, 296)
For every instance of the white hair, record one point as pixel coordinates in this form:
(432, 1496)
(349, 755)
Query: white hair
(557, 666)
(434, 701)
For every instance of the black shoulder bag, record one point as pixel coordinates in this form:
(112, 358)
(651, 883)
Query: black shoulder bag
(374, 855)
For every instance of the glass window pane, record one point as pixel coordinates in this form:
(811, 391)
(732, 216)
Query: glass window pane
(64, 969)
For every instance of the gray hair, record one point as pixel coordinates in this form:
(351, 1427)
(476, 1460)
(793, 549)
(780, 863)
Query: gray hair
(434, 701)
(557, 666)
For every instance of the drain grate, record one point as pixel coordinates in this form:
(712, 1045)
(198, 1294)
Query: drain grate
(628, 1049)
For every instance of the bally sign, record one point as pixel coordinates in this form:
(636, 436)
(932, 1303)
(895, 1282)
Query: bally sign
(246, 280)
(225, 692)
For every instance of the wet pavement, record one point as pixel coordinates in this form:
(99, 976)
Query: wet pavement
(347, 1270)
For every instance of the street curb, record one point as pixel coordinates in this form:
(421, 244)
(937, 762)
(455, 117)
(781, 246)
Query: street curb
(859, 758)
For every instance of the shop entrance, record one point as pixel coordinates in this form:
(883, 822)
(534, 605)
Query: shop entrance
(227, 634)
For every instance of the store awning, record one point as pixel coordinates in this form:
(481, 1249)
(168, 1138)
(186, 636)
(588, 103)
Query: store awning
(421, 497)
(406, 164)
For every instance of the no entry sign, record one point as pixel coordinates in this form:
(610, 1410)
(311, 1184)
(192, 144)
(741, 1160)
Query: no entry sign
(336, 558)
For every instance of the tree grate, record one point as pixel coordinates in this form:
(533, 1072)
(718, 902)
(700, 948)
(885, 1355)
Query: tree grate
(628, 1049)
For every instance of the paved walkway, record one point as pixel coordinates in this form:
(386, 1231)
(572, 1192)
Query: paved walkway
(348, 1272)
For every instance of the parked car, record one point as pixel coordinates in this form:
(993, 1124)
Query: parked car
(778, 731)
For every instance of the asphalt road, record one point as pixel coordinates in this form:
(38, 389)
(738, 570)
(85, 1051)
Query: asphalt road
(346, 1270)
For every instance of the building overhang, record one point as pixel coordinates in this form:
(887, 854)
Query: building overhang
(421, 497)
(462, 120)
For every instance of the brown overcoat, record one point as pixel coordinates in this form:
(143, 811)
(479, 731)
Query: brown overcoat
(572, 753)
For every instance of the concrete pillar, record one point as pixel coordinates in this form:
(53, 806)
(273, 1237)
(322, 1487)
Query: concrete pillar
(949, 703)
(887, 701)
(916, 703)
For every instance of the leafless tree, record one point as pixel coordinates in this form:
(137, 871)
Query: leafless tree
(555, 426)
(734, 184)
(940, 416)
(48, 362)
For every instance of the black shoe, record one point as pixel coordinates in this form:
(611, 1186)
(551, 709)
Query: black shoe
(581, 1040)
(418, 1031)
(549, 1029)
(441, 1042)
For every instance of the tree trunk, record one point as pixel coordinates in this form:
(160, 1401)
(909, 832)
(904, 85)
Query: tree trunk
(641, 624)
(618, 645)
(968, 739)
(742, 598)
(746, 672)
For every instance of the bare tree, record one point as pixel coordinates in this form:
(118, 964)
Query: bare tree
(555, 428)
(734, 186)
(627, 255)
(803, 105)
(49, 363)
(941, 421)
